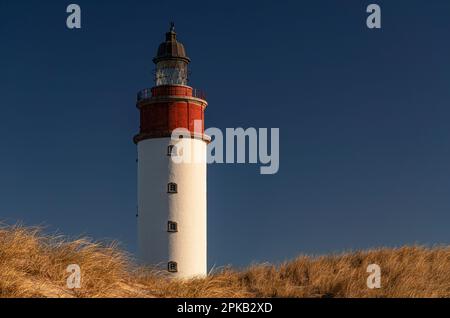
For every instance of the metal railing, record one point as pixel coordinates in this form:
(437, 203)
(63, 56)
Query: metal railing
(147, 94)
(197, 93)
(144, 94)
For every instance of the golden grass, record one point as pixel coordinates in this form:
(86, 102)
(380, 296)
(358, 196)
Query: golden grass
(34, 265)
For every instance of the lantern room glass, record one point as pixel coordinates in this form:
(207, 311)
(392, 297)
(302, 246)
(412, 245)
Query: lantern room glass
(172, 72)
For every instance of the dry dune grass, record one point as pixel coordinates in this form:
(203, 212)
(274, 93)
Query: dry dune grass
(34, 265)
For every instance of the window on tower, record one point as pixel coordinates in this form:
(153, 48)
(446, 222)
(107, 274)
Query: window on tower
(172, 188)
(172, 227)
(172, 267)
(170, 150)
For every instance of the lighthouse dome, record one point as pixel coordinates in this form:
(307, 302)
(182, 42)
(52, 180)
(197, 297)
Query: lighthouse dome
(171, 49)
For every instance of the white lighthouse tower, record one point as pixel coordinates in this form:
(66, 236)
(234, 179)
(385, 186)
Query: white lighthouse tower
(172, 196)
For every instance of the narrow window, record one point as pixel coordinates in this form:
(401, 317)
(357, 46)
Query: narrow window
(170, 150)
(172, 227)
(172, 188)
(172, 267)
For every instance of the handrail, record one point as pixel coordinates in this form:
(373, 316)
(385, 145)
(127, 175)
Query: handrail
(144, 94)
(198, 94)
(147, 94)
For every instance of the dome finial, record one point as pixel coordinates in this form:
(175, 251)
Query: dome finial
(172, 27)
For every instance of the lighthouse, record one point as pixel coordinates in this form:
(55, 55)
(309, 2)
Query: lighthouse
(172, 216)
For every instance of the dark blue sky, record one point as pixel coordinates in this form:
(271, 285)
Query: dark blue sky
(363, 116)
